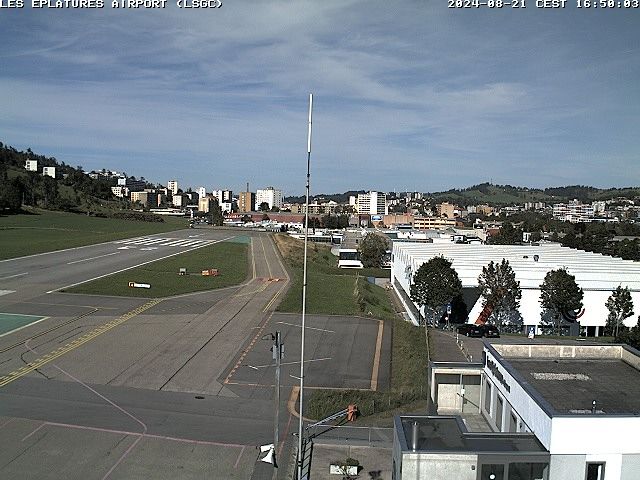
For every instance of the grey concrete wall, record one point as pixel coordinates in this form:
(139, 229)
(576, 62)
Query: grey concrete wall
(631, 359)
(420, 466)
(559, 351)
(567, 467)
(630, 467)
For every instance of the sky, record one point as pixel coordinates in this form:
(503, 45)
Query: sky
(408, 95)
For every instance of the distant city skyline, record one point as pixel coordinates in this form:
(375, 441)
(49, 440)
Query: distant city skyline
(407, 96)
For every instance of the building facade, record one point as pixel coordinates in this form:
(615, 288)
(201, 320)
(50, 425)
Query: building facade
(49, 172)
(246, 202)
(172, 186)
(372, 203)
(31, 165)
(270, 196)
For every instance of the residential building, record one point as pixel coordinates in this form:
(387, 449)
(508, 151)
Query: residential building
(205, 204)
(270, 196)
(145, 198)
(246, 202)
(223, 196)
(31, 165)
(446, 210)
(49, 172)
(132, 184)
(431, 223)
(372, 203)
(172, 186)
(202, 192)
(180, 200)
(120, 191)
(574, 212)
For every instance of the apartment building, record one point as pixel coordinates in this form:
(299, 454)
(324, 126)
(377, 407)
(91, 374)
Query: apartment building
(172, 186)
(270, 196)
(31, 165)
(246, 202)
(433, 223)
(372, 203)
(49, 172)
(574, 212)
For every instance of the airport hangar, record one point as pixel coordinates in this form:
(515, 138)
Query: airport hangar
(598, 275)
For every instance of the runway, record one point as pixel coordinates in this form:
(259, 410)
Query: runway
(129, 380)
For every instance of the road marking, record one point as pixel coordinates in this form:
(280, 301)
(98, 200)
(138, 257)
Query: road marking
(148, 248)
(34, 365)
(376, 357)
(125, 248)
(6, 292)
(14, 276)
(246, 350)
(93, 258)
(139, 265)
(307, 328)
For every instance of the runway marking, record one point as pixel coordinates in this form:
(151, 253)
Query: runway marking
(36, 430)
(307, 328)
(6, 292)
(239, 456)
(40, 319)
(268, 305)
(38, 363)
(139, 265)
(266, 259)
(139, 434)
(92, 258)
(246, 350)
(289, 363)
(14, 276)
(376, 357)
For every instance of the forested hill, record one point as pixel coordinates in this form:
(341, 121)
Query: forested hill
(487, 193)
(71, 188)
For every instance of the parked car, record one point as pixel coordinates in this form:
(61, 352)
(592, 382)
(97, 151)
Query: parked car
(473, 330)
(490, 331)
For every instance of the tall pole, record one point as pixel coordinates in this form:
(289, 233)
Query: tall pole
(277, 355)
(304, 297)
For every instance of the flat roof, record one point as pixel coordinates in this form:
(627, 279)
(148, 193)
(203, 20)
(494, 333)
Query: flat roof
(448, 434)
(571, 385)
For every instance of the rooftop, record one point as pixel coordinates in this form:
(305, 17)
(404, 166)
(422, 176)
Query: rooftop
(570, 376)
(448, 434)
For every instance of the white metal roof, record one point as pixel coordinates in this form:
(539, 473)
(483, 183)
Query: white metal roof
(593, 271)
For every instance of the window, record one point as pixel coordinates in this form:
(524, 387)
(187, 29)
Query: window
(499, 409)
(513, 423)
(492, 472)
(528, 471)
(595, 471)
(487, 398)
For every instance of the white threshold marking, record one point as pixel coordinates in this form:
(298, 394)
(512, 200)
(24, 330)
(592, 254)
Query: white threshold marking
(307, 328)
(14, 276)
(24, 326)
(92, 258)
(6, 292)
(138, 265)
(255, 367)
(125, 248)
(149, 248)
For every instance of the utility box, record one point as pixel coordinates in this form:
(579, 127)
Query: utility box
(182, 271)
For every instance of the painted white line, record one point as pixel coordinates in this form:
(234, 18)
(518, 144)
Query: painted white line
(138, 265)
(6, 292)
(125, 248)
(24, 326)
(93, 258)
(148, 248)
(307, 328)
(289, 363)
(14, 276)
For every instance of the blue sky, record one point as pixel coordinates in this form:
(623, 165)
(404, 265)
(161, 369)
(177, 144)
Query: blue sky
(408, 95)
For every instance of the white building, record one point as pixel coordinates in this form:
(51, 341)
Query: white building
(574, 212)
(598, 275)
(120, 191)
(202, 192)
(31, 165)
(270, 195)
(223, 196)
(373, 203)
(172, 186)
(49, 172)
(553, 411)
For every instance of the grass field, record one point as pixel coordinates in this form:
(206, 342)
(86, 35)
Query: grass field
(230, 258)
(331, 290)
(45, 231)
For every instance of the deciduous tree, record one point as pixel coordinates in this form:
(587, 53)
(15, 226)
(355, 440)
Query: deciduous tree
(620, 306)
(560, 295)
(373, 248)
(500, 291)
(434, 284)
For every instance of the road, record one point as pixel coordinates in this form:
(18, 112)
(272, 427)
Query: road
(109, 387)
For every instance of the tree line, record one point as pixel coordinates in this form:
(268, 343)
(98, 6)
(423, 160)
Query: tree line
(436, 284)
